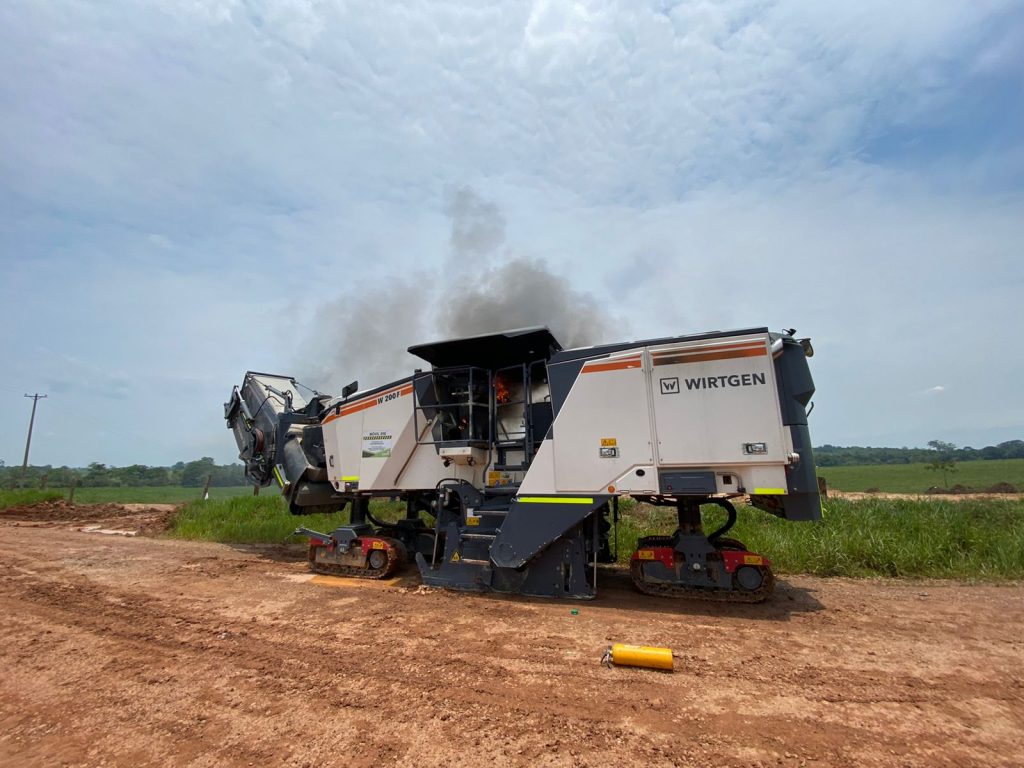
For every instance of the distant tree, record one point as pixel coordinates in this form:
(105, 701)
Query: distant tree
(943, 460)
(195, 472)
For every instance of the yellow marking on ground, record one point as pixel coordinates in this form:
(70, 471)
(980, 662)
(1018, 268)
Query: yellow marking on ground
(343, 581)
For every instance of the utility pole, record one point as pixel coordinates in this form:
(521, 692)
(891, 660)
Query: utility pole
(24, 465)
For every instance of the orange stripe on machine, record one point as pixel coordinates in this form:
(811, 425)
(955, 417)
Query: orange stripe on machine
(717, 352)
(347, 409)
(615, 365)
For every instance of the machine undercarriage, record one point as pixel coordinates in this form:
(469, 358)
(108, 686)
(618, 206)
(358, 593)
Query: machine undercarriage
(694, 565)
(686, 564)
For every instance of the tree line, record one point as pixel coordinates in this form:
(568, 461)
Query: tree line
(191, 474)
(838, 456)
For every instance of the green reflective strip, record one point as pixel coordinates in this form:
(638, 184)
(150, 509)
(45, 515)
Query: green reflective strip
(769, 491)
(553, 500)
(350, 478)
(277, 474)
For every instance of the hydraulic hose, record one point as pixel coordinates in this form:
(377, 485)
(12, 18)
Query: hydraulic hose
(729, 523)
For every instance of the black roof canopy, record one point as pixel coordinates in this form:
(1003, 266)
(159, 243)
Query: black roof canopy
(490, 350)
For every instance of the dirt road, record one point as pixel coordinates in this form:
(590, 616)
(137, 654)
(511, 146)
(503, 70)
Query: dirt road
(133, 651)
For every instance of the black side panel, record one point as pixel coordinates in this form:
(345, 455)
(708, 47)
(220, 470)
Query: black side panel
(529, 527)
(796, 387)
(541, 416)
(561, 377)
(675, 483)
(803, 501)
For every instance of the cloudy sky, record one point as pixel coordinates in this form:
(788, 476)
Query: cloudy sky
(193, 188)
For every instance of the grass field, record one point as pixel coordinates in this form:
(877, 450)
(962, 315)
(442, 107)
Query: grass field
(934, 537)
(260, 520)
(873, 537)
(164, 494)
(917, 478)
(981, 539)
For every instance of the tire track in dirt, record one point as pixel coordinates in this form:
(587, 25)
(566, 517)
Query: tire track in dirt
(150, 652)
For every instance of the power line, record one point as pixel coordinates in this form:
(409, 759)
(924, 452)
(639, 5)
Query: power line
(28, 443)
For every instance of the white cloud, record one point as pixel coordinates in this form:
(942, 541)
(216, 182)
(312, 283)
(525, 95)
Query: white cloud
(181, 185)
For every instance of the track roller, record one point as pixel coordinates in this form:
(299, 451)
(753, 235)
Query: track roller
(353, 552)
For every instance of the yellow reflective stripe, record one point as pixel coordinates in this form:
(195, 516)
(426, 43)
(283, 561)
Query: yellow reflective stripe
(277, 474)
(769, 491)
(350, 479)
(553, 500)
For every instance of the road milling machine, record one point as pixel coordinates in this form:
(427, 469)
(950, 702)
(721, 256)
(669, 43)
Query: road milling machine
(511, 454)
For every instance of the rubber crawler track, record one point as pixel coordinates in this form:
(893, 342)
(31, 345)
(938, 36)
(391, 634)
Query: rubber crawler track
(396, 557)
(659, 589)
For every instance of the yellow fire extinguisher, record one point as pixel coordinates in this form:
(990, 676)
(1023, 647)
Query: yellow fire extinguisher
(623, 655)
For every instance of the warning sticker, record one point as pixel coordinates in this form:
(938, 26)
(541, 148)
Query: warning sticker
(645, 554)
(456, 557)
(495, 477)
(378, 545)
(753, 560)
(609, 442)
(377, 444)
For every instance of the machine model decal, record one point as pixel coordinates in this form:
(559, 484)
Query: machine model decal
(377, 444)
(370, 402)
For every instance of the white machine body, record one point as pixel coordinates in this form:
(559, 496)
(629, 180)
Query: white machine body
(630, 416)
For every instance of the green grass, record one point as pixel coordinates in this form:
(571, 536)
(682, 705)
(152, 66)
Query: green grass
(261, 520)
(28, 496)
(981, 539)
(917, 478)
(871, 537)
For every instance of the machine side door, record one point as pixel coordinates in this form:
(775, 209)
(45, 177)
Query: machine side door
(603, 430)
(715, 403)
